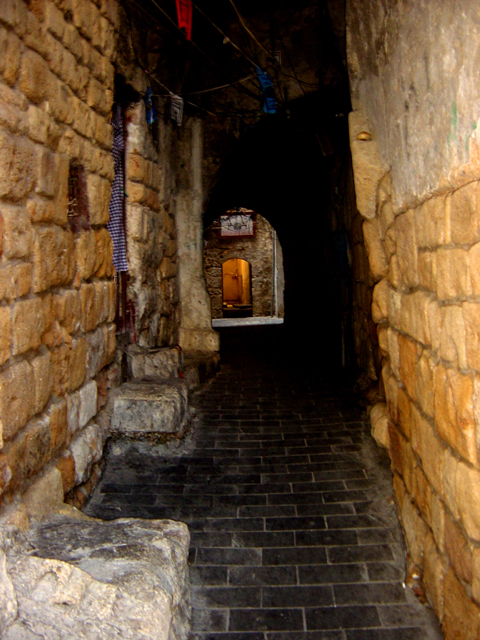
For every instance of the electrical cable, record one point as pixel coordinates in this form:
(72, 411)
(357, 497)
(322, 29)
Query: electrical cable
(222, 86)
(245, 89)
(226, 38)
(252, 35)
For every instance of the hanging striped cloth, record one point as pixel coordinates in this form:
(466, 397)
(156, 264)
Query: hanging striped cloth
(115, 223)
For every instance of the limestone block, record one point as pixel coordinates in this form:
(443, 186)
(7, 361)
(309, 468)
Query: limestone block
(467, 482)
(415, 315)
(96, 351)
(454, 412)
(375, 249)
(85, 248)
(38, 122)
(434, 575)
(458, 550)
(87, 307)
(54, 258)
(9, 55)
(422, 494)
(60, 357)
(29, 452)
(394, 307)
(18, 232)
(66, 465)
(54, 20)
(427, 270)
(101, 301)
(163, 363)
(368, 168)
(12, 107)
(453, 278)
(17, 402)
(379, 424)
(88, 403)
(394, 352)
(89, 579)
(78, 362)
(7, 283)
(28, 325)
(73, 41)
(104, 254)
(473, 265)
(409, 354)
(9, 609)
(150, 407)
(99, 192)
(401, 454)
(438, 522)
(476, 574)
(58, 425)
(86, 449)
(406, 247)
(135, 167)
(13, 14)
(33, 76)
(45, 495)
(46, 178)
(425, 383)
(431, 453)
(5, 334)
(431, 223)
(68, 309)
(415, 529)
(453, 336)
(464, 218)
(42, 377)
(461, 616)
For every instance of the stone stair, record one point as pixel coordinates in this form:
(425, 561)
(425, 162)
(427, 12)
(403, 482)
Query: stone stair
(155, 402)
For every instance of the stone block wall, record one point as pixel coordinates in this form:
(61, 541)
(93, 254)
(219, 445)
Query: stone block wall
(151, 233)
(428, 315)
(414, 137)
(257, 251)
(57, 294)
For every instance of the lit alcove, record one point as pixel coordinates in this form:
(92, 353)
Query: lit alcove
(236, 289)
(243, 265)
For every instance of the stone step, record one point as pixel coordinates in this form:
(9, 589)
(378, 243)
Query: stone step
(74, 577)
(149, 407)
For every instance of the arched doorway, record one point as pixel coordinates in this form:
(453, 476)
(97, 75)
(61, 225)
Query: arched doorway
(236, 289)
(261, 250)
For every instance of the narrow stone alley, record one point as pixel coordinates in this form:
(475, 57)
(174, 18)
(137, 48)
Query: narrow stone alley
(288, 501)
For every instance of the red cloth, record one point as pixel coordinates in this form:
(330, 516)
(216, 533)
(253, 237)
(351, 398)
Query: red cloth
(184, 13)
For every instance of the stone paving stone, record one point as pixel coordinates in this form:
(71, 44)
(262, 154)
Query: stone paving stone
(288, 500)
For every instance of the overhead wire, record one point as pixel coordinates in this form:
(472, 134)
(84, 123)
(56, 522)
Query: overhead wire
(244, 25)
(245, 89)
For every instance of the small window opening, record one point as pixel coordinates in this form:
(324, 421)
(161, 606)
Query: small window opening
(78, 215)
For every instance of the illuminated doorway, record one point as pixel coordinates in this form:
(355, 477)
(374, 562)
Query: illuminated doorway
(236, 289)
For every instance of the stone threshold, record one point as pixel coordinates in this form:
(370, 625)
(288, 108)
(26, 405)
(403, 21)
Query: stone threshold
(245, 322)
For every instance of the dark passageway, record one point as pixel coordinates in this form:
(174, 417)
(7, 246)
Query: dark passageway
(288, 501)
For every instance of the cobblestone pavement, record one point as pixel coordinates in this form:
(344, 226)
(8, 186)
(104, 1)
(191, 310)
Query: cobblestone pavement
(288, 501)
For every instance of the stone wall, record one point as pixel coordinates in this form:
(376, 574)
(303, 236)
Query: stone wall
(56, 277)
(414, 148)
(151, 235)
(257, 251)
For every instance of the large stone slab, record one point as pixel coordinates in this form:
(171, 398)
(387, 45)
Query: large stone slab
(149, 407)
(161, 362)
(85, 579)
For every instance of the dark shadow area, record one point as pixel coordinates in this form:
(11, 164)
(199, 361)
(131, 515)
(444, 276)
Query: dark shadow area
(287, 169)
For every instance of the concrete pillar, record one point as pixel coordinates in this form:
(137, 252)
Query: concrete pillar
(196, 333)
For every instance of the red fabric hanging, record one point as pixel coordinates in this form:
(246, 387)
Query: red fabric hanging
(184, 14)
